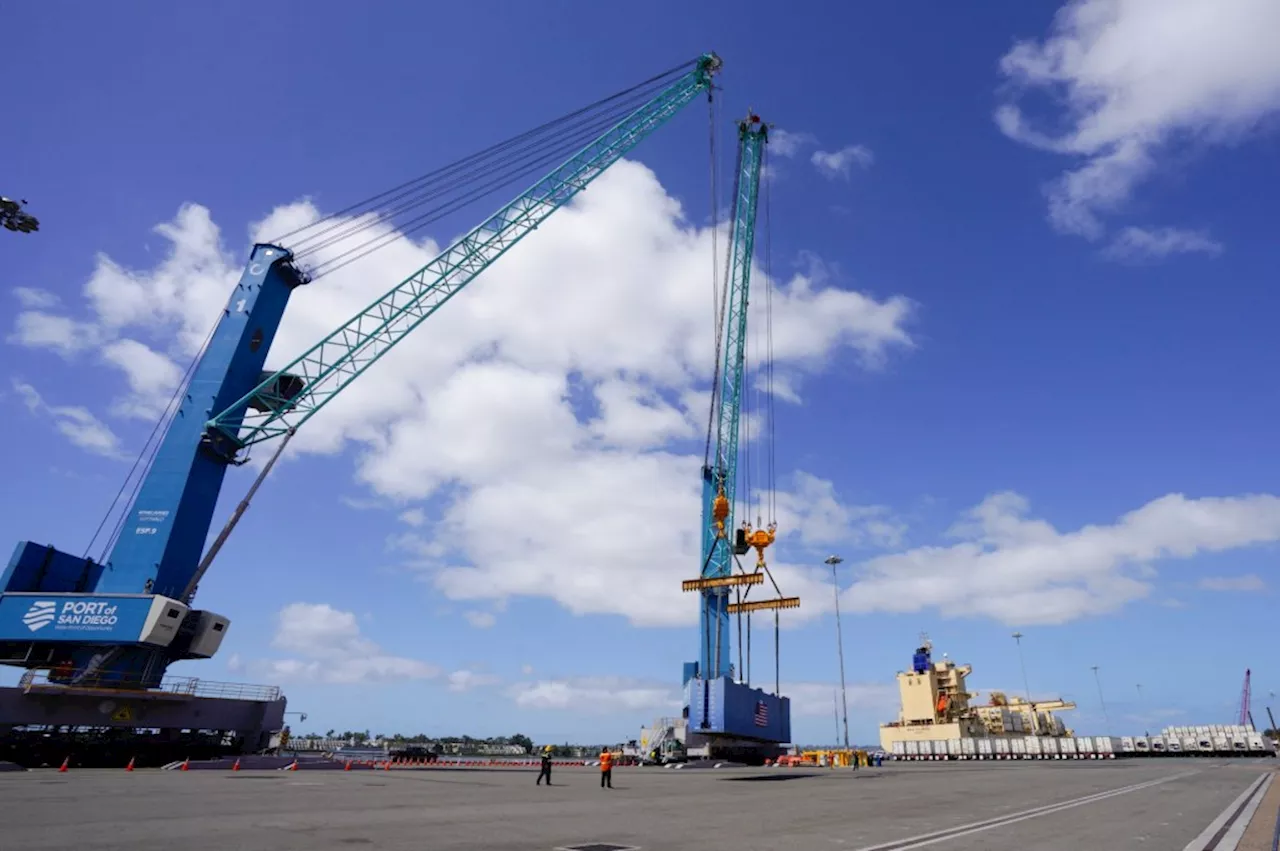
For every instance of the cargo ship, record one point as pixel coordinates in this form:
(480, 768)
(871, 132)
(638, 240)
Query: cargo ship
(938, 715)
(939, 721)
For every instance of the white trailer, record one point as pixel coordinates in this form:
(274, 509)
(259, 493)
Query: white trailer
(1172, 745)
(1221, 743)
(1127, 744)
(1049, 747)
(913, 750)
(954, 750)
(968, 748)
(1141, 744)
(1034, 750)
(985, 749)
(1068, 745)
(1084, 747)
(899, 750)
(1019, 747)
(1002, 748)
(1105, 746)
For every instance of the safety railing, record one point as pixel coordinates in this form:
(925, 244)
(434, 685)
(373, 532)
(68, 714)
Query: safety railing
(183, 686)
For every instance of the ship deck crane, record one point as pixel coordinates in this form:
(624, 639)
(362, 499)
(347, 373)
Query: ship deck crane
(111, 626)
(724, 712)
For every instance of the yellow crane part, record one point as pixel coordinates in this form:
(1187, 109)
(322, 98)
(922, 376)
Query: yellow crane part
(757, 605)
(759, 539)
(723, 581)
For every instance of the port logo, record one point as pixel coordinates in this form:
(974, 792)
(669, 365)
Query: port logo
(41, 614)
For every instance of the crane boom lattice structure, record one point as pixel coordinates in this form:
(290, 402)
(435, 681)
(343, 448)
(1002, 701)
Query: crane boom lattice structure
(88, 629)
(721, 706)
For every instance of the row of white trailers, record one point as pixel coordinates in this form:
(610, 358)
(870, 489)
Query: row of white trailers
(1084, 747)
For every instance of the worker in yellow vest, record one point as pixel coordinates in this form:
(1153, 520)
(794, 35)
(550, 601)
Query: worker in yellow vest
(606, 768)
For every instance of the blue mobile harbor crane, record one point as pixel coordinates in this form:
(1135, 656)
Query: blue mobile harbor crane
(98, 635)
(726, 717)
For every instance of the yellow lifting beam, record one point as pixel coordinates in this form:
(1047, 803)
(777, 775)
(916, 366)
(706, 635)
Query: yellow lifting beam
(757, 605)
(723, 581)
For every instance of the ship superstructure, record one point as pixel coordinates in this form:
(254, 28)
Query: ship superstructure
(936, 705)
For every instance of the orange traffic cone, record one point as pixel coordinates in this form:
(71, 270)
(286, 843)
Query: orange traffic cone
(65, 762)
(293, 766)
(347, 767)
(236, 767)
(386, 766)
(186, 764)
(129, 767)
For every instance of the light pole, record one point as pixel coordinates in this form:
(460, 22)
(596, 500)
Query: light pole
(1105, 717)
(1026, 684)
(844, 695)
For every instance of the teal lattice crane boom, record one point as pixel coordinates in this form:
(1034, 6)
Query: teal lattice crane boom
(720, 703)
(293, 394)
(720, 475)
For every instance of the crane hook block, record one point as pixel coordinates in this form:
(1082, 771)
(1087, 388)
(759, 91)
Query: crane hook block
(720, 512)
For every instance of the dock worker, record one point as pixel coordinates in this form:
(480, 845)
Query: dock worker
(606, 768)
(546, 766)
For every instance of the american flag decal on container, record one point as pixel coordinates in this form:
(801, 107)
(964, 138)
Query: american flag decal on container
(762, 714)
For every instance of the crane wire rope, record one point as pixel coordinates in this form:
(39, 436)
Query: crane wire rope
(504, 178)
(715, 266)
(770, 397)
(542, 150)
(521, 156)
(372, 200)
(146, 456)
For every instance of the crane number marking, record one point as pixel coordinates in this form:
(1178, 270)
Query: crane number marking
(145, 530)
(240, 305)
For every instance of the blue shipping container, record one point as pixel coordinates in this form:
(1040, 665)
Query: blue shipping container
(734, 709)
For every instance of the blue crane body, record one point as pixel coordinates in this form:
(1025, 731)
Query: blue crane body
(716, 703)
(120, 623)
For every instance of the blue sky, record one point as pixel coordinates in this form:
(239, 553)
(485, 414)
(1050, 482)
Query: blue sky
(1024, 270)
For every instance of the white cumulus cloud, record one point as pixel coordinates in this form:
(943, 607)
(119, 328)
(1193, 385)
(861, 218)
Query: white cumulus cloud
(74, 422)
(327, 645)
(840, 164)
(1137, 79)
(596, 695)
(788, 143)
(1246, 582)
(1021, 570)
(1154, 243)
(466, 680)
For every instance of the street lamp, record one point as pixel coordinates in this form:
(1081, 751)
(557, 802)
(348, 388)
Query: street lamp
(1105, 717)
(1026, 684)
(833, 560)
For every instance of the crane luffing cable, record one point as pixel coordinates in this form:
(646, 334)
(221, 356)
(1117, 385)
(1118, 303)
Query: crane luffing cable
(146, 456)
(288, 397)
(464, 181)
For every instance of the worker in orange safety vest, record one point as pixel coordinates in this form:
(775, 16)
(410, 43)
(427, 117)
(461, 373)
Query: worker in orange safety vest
(606, 769)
